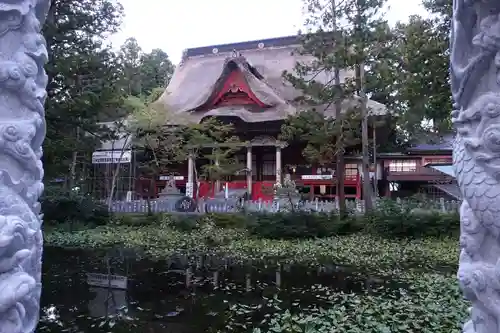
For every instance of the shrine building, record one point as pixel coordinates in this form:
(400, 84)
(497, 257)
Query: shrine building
(242, 83)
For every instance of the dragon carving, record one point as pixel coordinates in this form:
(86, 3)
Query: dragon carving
(475, 81)
(22, 130)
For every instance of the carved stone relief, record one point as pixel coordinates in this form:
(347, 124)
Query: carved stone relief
(23, 80)
(475, 63)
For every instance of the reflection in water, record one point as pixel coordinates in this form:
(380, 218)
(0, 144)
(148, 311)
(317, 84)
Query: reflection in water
(175, 296)
(108, 302)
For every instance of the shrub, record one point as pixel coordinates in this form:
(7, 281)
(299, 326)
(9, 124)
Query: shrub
(299, 225)
(188, 222)
(61, 207)
(182, 222)
(236, 221)
(130, 219)
(392, 220)
(389, 221)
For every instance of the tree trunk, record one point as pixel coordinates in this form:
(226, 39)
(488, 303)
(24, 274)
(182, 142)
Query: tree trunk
(340, 162)
(114, 177)
(72, 171)
(367, 188)
(148, 197)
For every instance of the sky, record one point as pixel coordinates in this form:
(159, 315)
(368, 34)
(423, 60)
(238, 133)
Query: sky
(180, 24)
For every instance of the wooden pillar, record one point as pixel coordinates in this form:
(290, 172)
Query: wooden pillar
(217, 182)
(190, 180)
(387, 189)
(249, 170)
(278, 164)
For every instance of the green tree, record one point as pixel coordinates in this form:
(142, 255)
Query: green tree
(165, 144)
(423, 91)
(156, 70)
(324, 138)
(130, 58)
(143, 72)
(79, 70)
(343, 35)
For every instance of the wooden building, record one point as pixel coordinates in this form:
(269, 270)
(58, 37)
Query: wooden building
(423, 168)
(242, 83)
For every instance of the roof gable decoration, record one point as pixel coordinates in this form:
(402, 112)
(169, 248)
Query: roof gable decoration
(235, 91)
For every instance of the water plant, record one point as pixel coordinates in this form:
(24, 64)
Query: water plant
(360, 250)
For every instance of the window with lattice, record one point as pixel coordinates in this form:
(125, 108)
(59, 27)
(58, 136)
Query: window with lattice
(269, 165)
(351, 170)
(403, 166)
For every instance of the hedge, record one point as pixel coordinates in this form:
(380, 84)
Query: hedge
(299, 225)
(388, 220)
(60, 207)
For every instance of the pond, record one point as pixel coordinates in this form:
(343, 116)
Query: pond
(176, 296)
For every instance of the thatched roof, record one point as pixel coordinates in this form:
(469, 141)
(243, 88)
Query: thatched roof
(203, 70)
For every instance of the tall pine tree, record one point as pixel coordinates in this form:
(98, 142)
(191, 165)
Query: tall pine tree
(343, 35)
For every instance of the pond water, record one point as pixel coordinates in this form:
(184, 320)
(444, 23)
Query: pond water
(176, 296)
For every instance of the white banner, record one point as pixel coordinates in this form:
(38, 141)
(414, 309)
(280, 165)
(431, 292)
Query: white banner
(190, 190)
(112, 157)
(316, 177)
(168, 178)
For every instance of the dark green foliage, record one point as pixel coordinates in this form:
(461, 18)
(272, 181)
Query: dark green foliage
(325, 138)
(388, 224)
(392, 221)
(80, 72)
(143, 72)
(299, 225)
(422, 81)
(184, 222)
(228, 220)
(61, 207)
(406, 66)
(188, 222)
(134, 220)
(389, 221)
(156, 70)
(86, 82)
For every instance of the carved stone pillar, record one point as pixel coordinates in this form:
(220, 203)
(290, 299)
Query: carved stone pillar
(475, 80)
(22, 128)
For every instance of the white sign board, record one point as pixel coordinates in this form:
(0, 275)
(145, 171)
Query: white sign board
(316, 177)
(112, 157)
(189, 190)
(168, 177)
(105, 281)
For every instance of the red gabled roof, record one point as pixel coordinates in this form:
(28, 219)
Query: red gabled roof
(235, 91)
